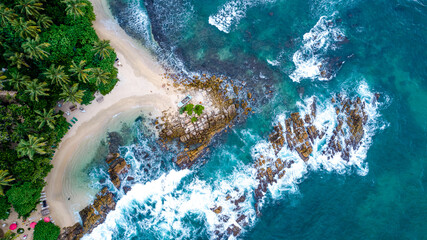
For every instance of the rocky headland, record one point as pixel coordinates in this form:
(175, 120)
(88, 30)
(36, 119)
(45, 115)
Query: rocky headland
(300, 134)
(194, 132)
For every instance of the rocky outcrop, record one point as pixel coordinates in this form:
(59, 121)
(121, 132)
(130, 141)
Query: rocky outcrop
(118, 168)
(300, 134)
(95, 214)
(91, 216)
(196, 135)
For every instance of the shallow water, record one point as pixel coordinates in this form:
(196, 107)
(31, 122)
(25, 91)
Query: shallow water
(365, 47)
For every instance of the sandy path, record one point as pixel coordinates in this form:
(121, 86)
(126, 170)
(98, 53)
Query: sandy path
(140, 87)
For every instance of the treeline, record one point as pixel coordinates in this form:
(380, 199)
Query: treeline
(48, 52)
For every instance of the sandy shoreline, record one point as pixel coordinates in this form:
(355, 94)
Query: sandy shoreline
(139, 88)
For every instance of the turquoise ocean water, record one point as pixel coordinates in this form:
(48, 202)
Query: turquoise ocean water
(365, 47)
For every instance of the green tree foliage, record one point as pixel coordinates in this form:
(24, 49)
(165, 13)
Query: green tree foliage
(198, 109)
(24, 197)
(189, 109)
(75, 8)
(35, 89)
(32, 146)
(57, 75)
(80, 71)
(4, 208)
(5, 180)
(102, 48)
(29, 7)
(72, 94)
(9, 235)
(46, 231)
(50, 52)
(45, 118)
(34, 49)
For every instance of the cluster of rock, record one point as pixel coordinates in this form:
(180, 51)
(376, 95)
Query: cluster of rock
(95, 214)
(235, 228)
(91, 216)
(196, 135)
(300, 134)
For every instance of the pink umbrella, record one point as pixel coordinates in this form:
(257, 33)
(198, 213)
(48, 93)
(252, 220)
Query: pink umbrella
(13, 226)
(33, 225)
(46, 219)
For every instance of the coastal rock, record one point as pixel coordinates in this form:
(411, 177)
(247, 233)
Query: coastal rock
(117, 169)
(91, 216)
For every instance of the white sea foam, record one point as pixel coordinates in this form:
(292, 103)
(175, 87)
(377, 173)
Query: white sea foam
(232, 12)
(164, 206)
(316, 43)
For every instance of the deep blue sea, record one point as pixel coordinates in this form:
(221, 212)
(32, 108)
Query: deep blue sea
(274, 49)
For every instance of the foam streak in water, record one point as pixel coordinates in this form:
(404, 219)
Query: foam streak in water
(316, 43)
(232, 12)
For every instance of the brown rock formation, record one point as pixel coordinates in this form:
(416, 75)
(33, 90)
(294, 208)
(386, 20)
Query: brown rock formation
(91, 216)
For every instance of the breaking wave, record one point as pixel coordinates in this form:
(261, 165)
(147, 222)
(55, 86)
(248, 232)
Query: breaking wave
(232, 12)
(311, 61)
(183, 205)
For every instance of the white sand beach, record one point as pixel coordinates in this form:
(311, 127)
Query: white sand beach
(141, 87)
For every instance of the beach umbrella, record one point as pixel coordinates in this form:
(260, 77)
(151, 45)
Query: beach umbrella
(13, 226)
(33, 225)
(46, 219)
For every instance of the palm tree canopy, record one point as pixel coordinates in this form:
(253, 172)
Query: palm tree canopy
(4, 180)
(75, 7)
(47, 118)
(29, 7)
(57, 75)
(26, 28)
(17, 59)
(18, 81)
(99, 76)
(80, 71)
(32, 146)
(7, 15)
(44, 21)
(34, 49)
(72, 94)
(102, 48)
(36, 89)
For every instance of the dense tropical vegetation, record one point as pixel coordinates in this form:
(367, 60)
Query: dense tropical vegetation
(48, 52)
(46, 231)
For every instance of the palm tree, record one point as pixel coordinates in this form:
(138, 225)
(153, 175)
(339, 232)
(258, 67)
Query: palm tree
(26, 28)
(47, 118)
(75, 7)
(32, 146)
(18, 81)
(72, 94)
(102, 48)
(6, 15)
(80, 71)
(4, 180)
(2, 78)
(36, 89)
(44, 21)
(16, 59)
(99, 76)
(34, 49)
(57, 75)
(29, 7)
